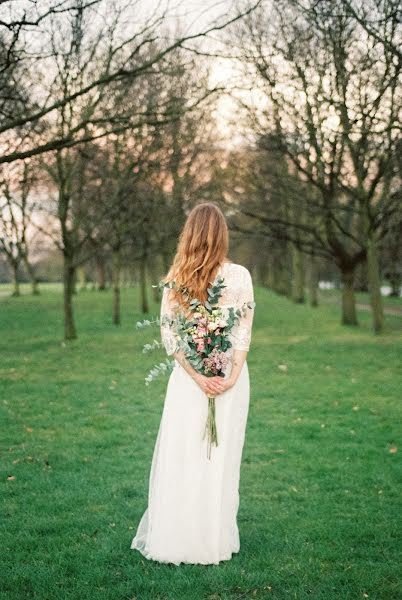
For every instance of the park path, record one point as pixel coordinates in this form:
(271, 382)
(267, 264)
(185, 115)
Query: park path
(388, 310)
(396, 312)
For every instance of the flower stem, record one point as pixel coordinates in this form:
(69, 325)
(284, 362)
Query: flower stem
(210, 426)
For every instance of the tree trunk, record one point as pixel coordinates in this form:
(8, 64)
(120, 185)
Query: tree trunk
(281, 280)
(313, 281)
(125, 276)
(75, 282)
(100, 269)
(297, 275)
(395, 281)
(272, 271)
(361, 281)
(262, 272)
(70, 332)
(82, 278)
(143, 285)
(374, 279)
(166, 263)
(14, 279)
(270, 280)
(31, 275)
(279, 271)
(116, 286)
(348, 297)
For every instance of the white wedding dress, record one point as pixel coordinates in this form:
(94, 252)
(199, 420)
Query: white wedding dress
(193, 501)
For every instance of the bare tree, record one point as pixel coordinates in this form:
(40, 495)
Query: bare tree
(380, 20)
(126, 104)
(332, 100)
(16, 209)
(121, 170)
(266, 196)
(391, 256)
(115, 55)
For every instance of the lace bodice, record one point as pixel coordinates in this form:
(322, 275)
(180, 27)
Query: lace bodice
(238, 290)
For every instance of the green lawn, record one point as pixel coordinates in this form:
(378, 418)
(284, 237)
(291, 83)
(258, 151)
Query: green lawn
(320, 511)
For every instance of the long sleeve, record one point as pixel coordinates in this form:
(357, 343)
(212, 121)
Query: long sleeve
(167, 335)
(241, 334)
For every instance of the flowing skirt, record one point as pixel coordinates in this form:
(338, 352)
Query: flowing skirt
(193, 501)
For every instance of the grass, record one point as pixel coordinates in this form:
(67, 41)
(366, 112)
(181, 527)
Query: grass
(320, 492)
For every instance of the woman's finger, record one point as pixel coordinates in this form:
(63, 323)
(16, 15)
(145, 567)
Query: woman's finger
(214, 385)
(219, 384)
(213, 390)
(216, 390)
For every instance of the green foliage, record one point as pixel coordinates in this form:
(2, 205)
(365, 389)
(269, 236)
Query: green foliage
(184, 327)
(319, 513)
(163, 368)
(215, 292)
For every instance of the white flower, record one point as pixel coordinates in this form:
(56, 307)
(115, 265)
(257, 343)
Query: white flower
(212, 326)
(222, 323)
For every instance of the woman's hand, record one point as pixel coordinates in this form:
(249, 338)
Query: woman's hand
(213, 386)
(226, 384)
(209, 386)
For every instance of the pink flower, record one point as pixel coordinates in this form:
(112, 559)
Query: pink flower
(200, 345)
(215, 362)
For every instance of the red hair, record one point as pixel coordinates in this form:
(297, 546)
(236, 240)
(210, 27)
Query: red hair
(202, 248)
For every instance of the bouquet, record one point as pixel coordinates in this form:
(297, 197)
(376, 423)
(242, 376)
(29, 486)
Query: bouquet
(203, 334)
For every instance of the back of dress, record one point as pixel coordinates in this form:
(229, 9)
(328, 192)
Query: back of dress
(237, 293)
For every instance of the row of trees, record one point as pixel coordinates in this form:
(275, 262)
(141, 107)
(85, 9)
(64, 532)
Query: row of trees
(107, 123)
(120, 138)
(326, 124)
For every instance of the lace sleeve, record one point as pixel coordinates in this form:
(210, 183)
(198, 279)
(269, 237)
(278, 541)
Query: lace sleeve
(167, 314)
(241, 334)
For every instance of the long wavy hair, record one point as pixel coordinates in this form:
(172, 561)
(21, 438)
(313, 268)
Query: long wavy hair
(202, 248)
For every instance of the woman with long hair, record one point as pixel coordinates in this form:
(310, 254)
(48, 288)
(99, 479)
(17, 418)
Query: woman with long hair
(193, 500)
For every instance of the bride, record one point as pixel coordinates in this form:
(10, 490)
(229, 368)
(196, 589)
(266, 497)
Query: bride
(193, 501)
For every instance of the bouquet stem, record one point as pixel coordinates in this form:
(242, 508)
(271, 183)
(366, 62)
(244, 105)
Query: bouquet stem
(210, 426)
